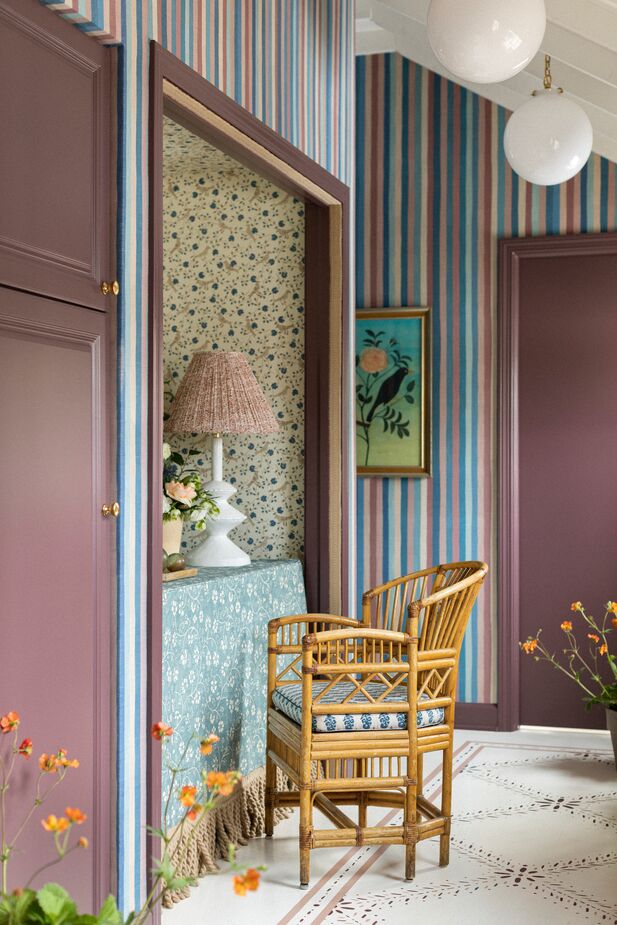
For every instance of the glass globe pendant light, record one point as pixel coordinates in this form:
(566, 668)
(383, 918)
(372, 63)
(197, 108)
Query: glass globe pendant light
(486, 41)
(548, 139)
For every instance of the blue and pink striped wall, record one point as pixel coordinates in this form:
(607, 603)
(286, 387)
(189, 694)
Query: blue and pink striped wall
(290, 62)
(433, 196)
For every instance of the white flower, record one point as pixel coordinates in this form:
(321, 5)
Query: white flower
(197, 514)
(166, 451)
(166, 504)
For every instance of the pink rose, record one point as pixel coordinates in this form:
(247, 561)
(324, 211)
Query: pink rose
(373, 360)
(183, 494)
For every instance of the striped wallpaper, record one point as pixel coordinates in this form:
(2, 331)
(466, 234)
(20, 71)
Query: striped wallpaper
(290, 62)
(433, 196)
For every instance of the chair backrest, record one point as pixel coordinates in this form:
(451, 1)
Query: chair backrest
(441, 597)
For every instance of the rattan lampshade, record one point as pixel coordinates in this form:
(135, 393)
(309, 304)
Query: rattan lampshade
(220, 395)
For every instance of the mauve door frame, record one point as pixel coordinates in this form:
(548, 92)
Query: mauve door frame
(178, 91)
(511, 253)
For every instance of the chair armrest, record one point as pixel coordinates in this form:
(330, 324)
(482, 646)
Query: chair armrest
(360, 631)
(275, 623)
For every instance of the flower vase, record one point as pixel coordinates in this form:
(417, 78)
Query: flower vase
(172, 535)
(611, 725)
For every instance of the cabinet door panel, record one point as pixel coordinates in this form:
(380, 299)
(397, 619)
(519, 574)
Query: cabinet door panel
(55, 112)
(55, 572)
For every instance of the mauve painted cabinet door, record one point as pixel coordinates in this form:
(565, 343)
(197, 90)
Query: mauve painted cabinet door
(55, 573)
(55, 156)
(568, 473)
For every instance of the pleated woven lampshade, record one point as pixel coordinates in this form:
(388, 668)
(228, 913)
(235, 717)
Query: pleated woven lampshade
(220, 395)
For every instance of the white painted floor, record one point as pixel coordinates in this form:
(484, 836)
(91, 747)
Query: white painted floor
(534, 840)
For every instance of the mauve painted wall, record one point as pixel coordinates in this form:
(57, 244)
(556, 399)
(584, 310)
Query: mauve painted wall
(433, 196)
(244, 47)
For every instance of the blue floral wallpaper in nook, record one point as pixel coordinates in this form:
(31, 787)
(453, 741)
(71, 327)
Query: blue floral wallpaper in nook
(234, 280)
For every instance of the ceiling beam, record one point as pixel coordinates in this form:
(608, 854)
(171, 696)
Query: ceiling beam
(581, 37)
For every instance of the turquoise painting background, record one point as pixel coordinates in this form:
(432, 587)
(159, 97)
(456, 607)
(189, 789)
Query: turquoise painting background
(395, 431)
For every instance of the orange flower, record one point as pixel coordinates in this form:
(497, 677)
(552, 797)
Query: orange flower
(82, 842)
(25, 748)
(603, 649)
(75, 815)
(576, 605)
(567, 626)
(65, 762)
(205, 746)
(55, 824)
(614, 622)
(187, 795)
(194, 811)
(612, 607)
(9, 722)
(529, 646)
(160, 731)
(222, 782)
(48, 763)
(245, 882)
(593, 637)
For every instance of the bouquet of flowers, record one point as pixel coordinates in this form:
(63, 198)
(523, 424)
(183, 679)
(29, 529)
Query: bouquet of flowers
(184, 495)
(23, 904)
(595, 671)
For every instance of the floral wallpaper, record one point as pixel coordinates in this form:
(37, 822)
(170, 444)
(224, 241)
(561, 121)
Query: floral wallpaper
(234, 280)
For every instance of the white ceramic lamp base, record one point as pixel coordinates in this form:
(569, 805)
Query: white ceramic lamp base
(216, 549)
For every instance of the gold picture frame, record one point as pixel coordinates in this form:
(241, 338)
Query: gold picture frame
(393, 380)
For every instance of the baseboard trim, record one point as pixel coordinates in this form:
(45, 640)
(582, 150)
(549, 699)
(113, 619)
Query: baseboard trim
(481, 716)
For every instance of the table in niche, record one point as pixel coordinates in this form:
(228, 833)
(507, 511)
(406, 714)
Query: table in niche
(215, 628)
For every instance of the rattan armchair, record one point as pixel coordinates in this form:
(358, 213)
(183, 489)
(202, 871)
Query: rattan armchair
(353, 707)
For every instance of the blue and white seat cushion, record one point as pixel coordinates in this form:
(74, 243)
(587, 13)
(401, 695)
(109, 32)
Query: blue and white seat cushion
(288, 699)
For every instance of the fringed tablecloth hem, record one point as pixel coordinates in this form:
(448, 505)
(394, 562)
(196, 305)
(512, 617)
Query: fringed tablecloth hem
(232, 821)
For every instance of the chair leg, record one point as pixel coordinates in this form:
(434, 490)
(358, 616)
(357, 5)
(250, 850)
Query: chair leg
(306, 828)
(270, 792)
(362, 810)
(420, 772)
(411, 834)
(446, 807)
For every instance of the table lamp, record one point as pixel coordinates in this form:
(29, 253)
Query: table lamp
(220, 395)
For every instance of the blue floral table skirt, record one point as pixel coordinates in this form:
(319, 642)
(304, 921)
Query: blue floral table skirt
(215, 629)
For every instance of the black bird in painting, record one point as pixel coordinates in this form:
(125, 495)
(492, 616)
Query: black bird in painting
(388, 390)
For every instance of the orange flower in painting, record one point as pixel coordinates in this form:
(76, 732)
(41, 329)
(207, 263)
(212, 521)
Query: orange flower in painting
(9, 722)
(567, 626)
(161, 731)
(245, 882)
(205, 746)
(194, 811)
(48, 763)
(75, 816)
(55, 824)
(25, 748)
(82, 842)
(373, 360)
(593, 636)
(603, 649)
(529, 646)
(187, 795)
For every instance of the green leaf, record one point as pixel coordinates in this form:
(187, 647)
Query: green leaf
(56, 904)
(411, 385)
(21, 910)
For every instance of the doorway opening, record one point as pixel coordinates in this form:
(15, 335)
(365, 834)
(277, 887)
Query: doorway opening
(309, 210)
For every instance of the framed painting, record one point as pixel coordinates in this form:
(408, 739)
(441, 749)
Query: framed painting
(393, 392)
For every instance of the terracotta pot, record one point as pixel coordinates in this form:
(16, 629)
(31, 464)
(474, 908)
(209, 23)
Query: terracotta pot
(611, 725)
(172, 535)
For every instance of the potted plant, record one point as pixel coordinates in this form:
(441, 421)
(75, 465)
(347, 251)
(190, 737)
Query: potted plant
(21, 904)
(184, 498)
(595, 670)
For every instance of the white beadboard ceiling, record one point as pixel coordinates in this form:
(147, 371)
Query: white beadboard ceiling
(581, 37)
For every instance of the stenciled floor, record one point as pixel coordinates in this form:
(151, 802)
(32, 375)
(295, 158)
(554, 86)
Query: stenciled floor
(534, 839)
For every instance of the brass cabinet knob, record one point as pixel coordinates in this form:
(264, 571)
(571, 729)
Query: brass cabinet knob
(112, 288)
(111, 510)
